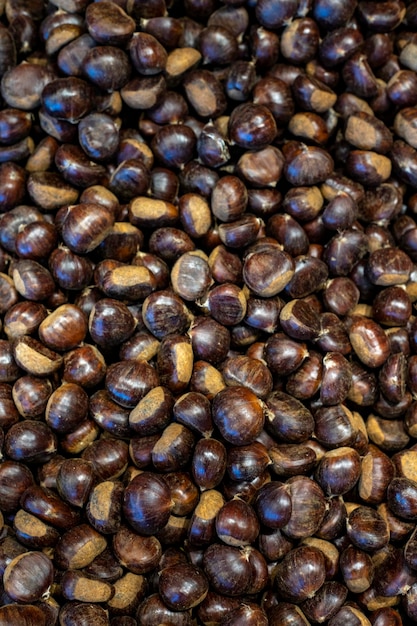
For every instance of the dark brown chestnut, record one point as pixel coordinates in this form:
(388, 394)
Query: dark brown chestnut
(28, 576)
(30, 441)
(367, 529)
(308, 507)
(273, 505)
(74, 481)
(300, 574)
(147, 503)
(182, 586)
(252, 126)
(227, 569)
(338, 471)
(238, 414)
(208, 463)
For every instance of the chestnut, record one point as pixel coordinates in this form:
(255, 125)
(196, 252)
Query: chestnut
(206, 379)
(109, 457)
(46, 505)
(308, 507)
(326, 602)
(73, 611)
(267, 272)
(184, 492)
(15, 478)
(66, 407)
(32, 280)
(175, 362)
(110, 322)
(22, 613)
(193, 409)
(300, 574)
(367, 529)
(154, 610)
(78, 547)
(292, 459)
(84, 366)
(208, 463)
(182, 586)
(109, 24)
(129, 591)
(273, 505)
(238, 414)
(75, 480)
(28, 576)
(400, 497)
(164, 313)
(357, 569)
(369, 341)
(227, 569)
(128, 381)
(305, 381)
(67, 98)
(287, 418)
(252, 126)
(32, 532)
(286, 613)
(377, 473)
(336, 379)
(104, 506)
(147, 503)
(201, 530)
(139, 554)
(31, 441)
(299, 320)
(173, 449)
(79, 586)
(237, 523)
(338, 470)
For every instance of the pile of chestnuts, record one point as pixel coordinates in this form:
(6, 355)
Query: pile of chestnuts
(208, 280)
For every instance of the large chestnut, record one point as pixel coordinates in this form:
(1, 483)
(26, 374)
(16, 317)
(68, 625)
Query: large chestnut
(147, 503)
(28, 576)
(182, 586)
(300, 574)
(238, 414)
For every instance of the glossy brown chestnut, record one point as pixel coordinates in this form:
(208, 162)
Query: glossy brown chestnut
(108, 456)
(273, 505)
(338, 470)
(147, 503)
(15, 478)
(74, 481)
(308, 507)
(238, 414)
(139, 554)
(304, 560)
(182, 586)
(28, 576)
(32, 532)
(367, 529)
(78, 547)
(227, 569)
(287, 418)
(208, 464)
(369, 341)
(30, 441)
(201, 530)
